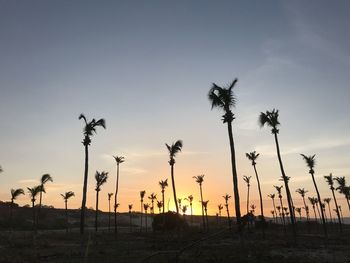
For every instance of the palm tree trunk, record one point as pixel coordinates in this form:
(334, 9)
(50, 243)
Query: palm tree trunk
(191, 214)
(228, 215)
(34, 219)
(206, 219)
(337, 210)
(274, 208)
(174, 190)
(320, 204)
(234, 175)
(11, 207)
(248, 199)
(259, 188)
(289, 197)
(146, 221)
(66, 210)
(141, 215)
(163, 199)
(116, 200)
(306, 209)
(83, 203)
(96, 212)
(109, 215)
(330, 213)
(283, 219)
(200, 187)
(347, 200)
(313, 207)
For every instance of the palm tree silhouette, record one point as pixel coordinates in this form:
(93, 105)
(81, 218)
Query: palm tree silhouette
(252, 207)
(273, 215)
(14, 194)
(142, 195)
(179, 201)
(146, 206)
(184, 210)
(43, 180)
(152, 197)
(303, 192)
(330, 180)
(310, 162)
(298, 210)
(205, 206)
(163, 185)
(223, 98)
(220, 207)
(159, 205)
(65, 197)
(327, 201)
(200, 179)
(343, 189)
(227, 197)
(33, 192)
(272, 196)
(270, 118)
(130, 218)
(279, 191)
(190, 200)
(89, 130)
(173, 150)
(119, 160)
(313, 201)
(101, 178)
(247, 180)
(109, 211)
(341, 214)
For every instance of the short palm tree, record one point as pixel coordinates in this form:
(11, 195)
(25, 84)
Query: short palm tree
(273, 215)
(43, 180)
(14, 194)
(224, 99)
(270, 118)
(247, 180)
(279, 191)
(65, 197)
(89, 130)
(298, 210)
(272, 196)
(146, 206)
(130, 217)
(327, 201)
(205, 206)
(101, 178)
(252, 208)
(220, 207)
(142, 195)
(330, 180)
(33, 192)
(179, 201)
(200, 179)
(227, 197)
(109, 210)
(184, 210)
(163, 184)
(313, 202)
(174, 149)
(119, 160)
(310, 162)
(343, 188)
(303, 192)
(152, 197)
(190, 200)
(159, 205)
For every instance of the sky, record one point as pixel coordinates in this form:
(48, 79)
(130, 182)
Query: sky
(146, 68)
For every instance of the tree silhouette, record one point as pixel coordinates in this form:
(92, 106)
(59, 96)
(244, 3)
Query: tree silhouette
(184, 210)
(174, 149)
(327, 201)
(119, 160)
(190, 200)
(179, 201)
(33, 192)
(43, 180)
(303, 192)
(130, 217)
(279, 191)
(101, 178)
(200, 179)
(343, 189)
(89, 130)
(152, 197)
(146, 206)
(142, 195)
(247, 180)
(313, 201)
(227, 197)
(330, 180)
(224, 99)
(310, 162)
(205, 206)
(159, 205)
(298, 210)
(270, 118)
(220, 207)
(109, 210)
(163, 185)
(14, 194)
(65, 197)
(272, 196)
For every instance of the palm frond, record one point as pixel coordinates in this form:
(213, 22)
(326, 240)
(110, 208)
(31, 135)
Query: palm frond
(16, 192)
(119, 159)
(46, 178)
(199, 178)
(101, 178)
(310, 160)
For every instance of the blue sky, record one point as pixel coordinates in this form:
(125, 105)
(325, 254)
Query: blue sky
(146, 67)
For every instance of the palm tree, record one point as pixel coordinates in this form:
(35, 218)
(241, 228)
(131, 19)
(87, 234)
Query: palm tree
(220, 207)
(200, 179)
(310, 162)
(109, 210)
(14, 194)
(184, 210)
(174, 149)
(43, 180)
(298, 210)
(159, 205)
(330, 180)
(65, 197)
(179, 200)
(89, 130)
(303, 192)
(270, 118)
(1, 170)
(327, 201)
(247, 180)
(33, 192)
(227, 197)
(101, 178)
(146, 206)
(223, 98)
(272, 196)
(163, 185)
(119, 160)
(343, 189)
(313, 201)
(273, 215)
(190, 200)
(152, 197)
(142, 195)
(205, 206)
(341, 214)
(279, 191)
(252, 207)
(253, 156)
(130, 218)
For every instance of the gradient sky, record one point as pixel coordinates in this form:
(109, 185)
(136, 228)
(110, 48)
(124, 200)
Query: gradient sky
(146, 67)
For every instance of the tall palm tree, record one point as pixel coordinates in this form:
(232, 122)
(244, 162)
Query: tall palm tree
(146, 206)
(220, 207)
(174, 149)
(224, 99)
(43, 180)
(205, 206)
(190, 200)
(119, 160)
(253, 156)
(163, 184)
(101, 178)
(159, 205)
(130, 217)
(89, 130)
(327, 201)
(200, 179)
(14, 194)
(330, 180)
(272, 196)
(279, 191)
(247, 180)
(109, 210)
(310, 162)
(65, 197)
(33, 192)
(343, 189)
(227, 197)
(313, 202)
(152, 197)
(142, 195)
(303, 192)
(270, 118)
